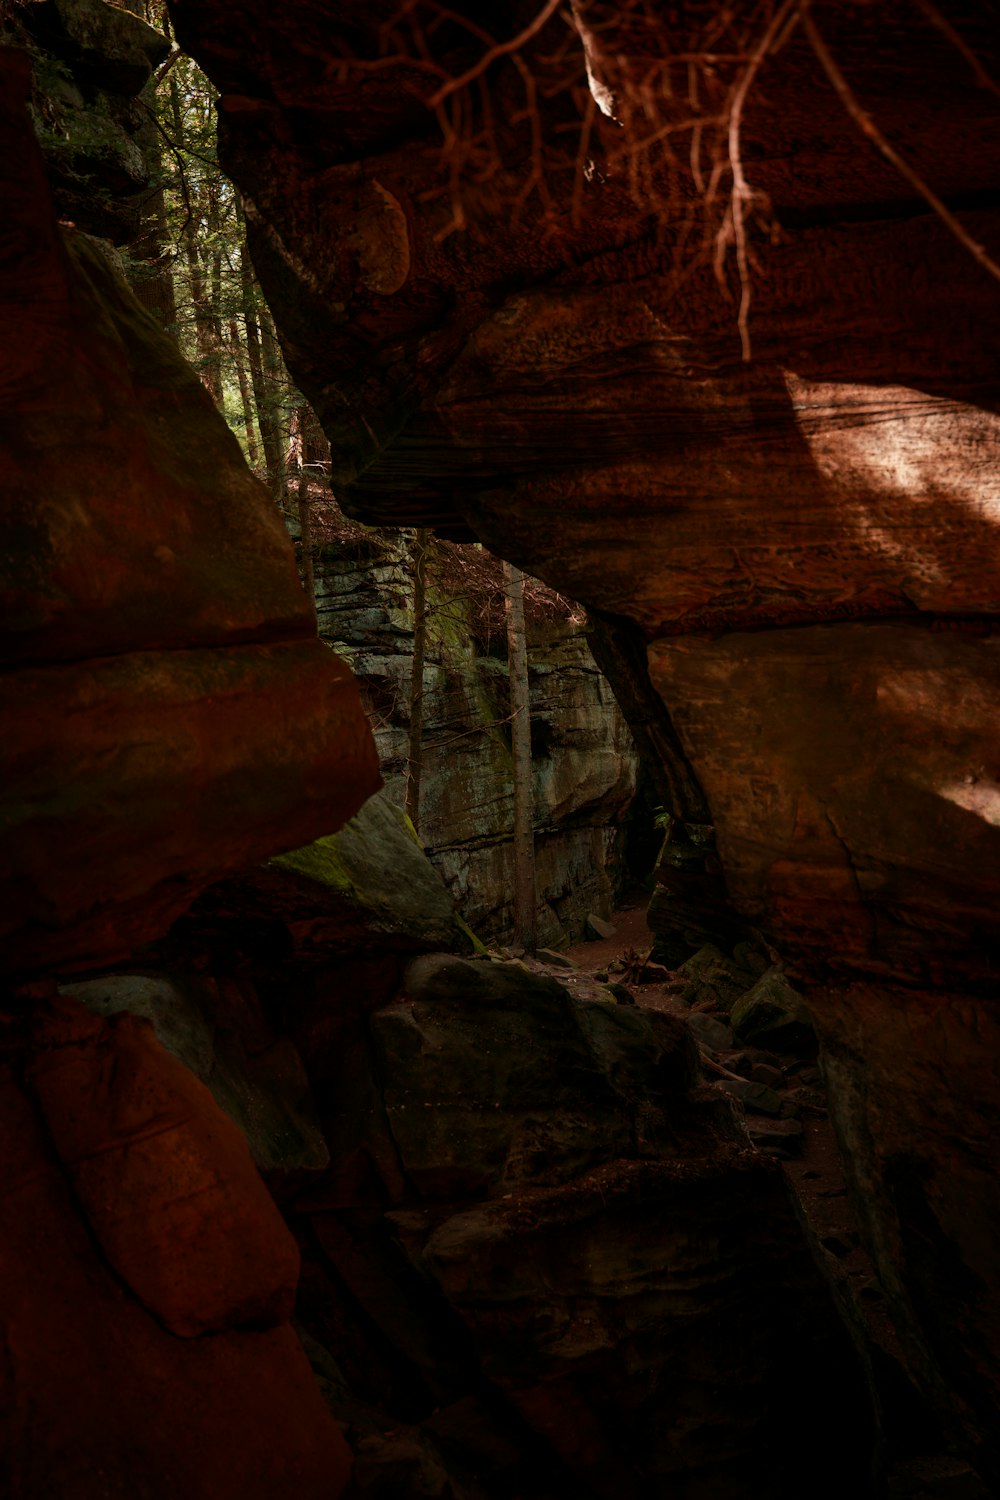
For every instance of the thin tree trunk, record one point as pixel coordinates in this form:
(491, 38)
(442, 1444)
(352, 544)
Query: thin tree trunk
(153, 284)
(204, 333)
(275, 377)
(524, 829)
(236, 349)
(414, 761)
(267, 426)
(273, 458)
(214, 297)
(305, 511)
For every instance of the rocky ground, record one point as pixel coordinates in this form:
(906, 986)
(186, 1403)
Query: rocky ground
(783, 1096)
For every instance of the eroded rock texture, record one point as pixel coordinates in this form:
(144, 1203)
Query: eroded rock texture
(233, 1413)
(572, 1258)
(584, 763)
(169, 717)
(525, 348)
(150, 603)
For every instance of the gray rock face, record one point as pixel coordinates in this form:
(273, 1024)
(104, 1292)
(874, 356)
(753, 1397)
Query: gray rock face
(496, 1077)
(584, 761)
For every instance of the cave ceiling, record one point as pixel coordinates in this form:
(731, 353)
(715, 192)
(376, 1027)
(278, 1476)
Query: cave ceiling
(518, 315)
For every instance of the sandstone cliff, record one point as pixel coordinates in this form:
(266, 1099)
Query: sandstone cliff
(497, 271)
(584, 763)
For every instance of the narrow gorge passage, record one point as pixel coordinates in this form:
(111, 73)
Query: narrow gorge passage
(326, 1177)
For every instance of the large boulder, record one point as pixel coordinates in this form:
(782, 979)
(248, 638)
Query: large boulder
(367, 890)
(165, 1181)
(496, 1077)
(217, 1029)
(102, 1398)
(630, 1274)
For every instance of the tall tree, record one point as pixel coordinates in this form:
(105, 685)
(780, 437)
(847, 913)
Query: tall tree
(236, 354)
(300, 450)
(414, 759)
(270, 435)
(524, 833)
(196, 195)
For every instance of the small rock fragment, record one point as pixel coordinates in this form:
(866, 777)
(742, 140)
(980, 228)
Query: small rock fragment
(764, 1073)
(622, 994)
(550, 956)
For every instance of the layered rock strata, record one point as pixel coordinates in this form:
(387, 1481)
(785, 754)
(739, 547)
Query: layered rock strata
(808, 535)
(584, 763)
(150, 604)
(169, 717)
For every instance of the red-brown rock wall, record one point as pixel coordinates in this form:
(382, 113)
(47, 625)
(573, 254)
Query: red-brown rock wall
(169, 717)
(551, 372)
(100, 1400)
(169, 714)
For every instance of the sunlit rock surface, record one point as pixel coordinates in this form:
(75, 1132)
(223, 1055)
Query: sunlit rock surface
(560, 389)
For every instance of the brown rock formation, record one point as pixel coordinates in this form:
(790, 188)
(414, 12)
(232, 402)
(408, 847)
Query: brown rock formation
(100, 1401)
(169, 717)
(165, 1180)
(562, 379)
(630, 1277)
(151, 604)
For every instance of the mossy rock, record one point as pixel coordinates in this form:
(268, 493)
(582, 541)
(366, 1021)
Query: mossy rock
(106, 47)
(774, 1015)
(713, 976)
(380, 875)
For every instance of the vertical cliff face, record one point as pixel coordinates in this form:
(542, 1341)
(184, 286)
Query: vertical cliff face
(149, 598)
(583, 760)
(150, 606)
(806, 538)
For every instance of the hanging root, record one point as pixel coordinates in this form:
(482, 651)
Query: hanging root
(864, 120)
